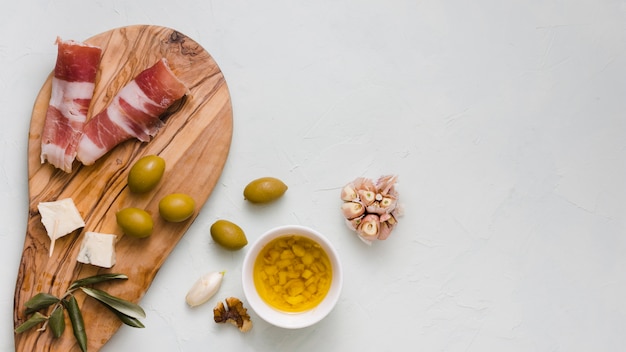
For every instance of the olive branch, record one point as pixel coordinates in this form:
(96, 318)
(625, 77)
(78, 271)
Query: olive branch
(128, 312)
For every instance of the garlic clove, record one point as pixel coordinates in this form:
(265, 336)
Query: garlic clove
(388, 203)
(367, 197)
(387, 226)
(385, 230)
(204, 288)
(352, 210)
(348, 193)
(392, 219)
(353, 224)
(369, 227)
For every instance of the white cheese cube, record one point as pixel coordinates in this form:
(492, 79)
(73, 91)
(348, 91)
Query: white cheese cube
(62, 212)
(97, 249)
(60, 218)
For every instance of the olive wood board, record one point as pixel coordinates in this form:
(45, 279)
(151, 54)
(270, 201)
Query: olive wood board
(194, 142)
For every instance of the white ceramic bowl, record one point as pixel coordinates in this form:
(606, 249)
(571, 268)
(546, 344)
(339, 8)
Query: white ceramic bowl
(286, 319)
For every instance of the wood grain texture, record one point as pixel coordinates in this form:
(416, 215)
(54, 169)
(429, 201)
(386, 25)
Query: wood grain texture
(194, 142)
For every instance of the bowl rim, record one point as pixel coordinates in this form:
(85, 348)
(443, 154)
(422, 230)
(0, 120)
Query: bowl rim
(274, 316)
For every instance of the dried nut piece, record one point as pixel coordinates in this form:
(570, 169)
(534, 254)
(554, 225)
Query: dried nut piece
(236, 314)
(371, 208)
(203, 289)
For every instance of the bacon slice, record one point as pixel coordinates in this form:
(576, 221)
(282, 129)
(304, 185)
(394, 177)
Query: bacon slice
(134, 112)
(73, 84)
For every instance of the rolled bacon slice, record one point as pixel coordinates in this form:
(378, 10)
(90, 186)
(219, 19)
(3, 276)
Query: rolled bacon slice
(73, 84)
(134, 112)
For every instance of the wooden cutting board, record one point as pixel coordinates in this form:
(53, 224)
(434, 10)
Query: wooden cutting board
(194, 143)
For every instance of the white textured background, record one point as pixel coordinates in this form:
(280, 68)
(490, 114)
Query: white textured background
(504, 119)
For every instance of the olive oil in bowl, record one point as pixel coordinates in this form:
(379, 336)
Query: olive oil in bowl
(292, 273)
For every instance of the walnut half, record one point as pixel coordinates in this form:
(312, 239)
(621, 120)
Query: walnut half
(236, 314)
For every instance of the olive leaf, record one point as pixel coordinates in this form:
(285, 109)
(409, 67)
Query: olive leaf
(127, 308)
(40, 301)
(128, 312)
(130, 321)
(57, 321)
(96, 279)
(78, 325)
(33, 321)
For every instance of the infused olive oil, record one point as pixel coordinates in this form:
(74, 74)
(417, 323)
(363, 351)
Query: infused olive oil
(292, 273)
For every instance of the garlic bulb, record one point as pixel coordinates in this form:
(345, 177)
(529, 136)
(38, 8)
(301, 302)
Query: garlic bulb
(206, 286)
(371, 208)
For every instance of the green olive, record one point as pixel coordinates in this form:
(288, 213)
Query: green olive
(146, 173)
(176, 207)
(264, 190)
(135, 222)
(228, 235)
